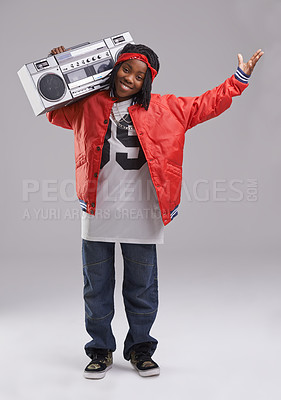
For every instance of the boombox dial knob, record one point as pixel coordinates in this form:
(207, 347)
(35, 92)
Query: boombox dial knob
(88, 59)
(99, 56)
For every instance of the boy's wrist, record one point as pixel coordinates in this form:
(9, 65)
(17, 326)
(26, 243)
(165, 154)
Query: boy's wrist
(241, 76)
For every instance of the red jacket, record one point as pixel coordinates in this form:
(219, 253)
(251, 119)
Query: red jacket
(161, 132)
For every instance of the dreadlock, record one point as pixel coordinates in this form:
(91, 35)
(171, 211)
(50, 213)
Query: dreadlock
(144, 95)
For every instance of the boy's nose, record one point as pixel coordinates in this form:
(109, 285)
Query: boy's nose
(128, 78)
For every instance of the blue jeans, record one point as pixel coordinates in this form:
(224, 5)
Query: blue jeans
(140, 293)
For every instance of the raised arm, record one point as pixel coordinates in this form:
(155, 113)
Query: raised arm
(212, 103)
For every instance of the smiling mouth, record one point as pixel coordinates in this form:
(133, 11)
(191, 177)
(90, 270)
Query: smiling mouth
(124, 86)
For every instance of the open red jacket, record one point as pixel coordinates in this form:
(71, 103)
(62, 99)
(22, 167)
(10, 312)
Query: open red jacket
(161, 132)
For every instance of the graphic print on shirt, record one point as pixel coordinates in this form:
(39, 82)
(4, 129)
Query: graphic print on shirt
(127, 140)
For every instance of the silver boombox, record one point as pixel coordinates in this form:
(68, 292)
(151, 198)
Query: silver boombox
(61, 79)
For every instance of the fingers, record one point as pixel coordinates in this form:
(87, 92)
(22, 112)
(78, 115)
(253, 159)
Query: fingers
(250, 65)
(255, 58)
(57, 50)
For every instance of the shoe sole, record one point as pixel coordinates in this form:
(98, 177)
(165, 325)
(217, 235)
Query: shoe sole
(96, 375)
(149, 372)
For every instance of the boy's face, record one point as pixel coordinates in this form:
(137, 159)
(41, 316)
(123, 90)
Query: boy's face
(129, 79)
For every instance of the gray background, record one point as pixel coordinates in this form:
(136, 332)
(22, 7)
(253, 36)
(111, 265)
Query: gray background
(220, 315)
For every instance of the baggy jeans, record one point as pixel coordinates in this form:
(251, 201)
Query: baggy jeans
(140, 293)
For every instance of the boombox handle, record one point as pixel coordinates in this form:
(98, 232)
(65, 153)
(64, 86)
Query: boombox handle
(78, 45)
(72, 47)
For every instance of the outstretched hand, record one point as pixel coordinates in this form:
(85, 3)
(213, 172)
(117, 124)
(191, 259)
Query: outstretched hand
(250, 65)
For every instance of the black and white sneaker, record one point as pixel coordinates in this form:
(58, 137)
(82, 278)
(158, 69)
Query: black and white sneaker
(141, 360)
(99, 365)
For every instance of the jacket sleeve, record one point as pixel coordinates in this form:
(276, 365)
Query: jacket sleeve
(195, 110)
(63, 116)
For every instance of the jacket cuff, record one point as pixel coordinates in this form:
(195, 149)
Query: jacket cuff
(241, 76)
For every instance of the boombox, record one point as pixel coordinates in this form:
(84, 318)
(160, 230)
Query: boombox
(61, 79)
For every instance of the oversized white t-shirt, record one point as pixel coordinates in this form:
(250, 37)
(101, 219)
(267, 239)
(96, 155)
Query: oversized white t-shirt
(127, 208)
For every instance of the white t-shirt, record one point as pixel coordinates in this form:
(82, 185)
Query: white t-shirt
(127, 208)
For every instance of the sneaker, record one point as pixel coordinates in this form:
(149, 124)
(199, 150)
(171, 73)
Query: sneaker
(99, 365)
(141, 360)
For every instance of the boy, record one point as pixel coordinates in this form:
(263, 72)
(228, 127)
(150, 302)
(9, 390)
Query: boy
(128, 153)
